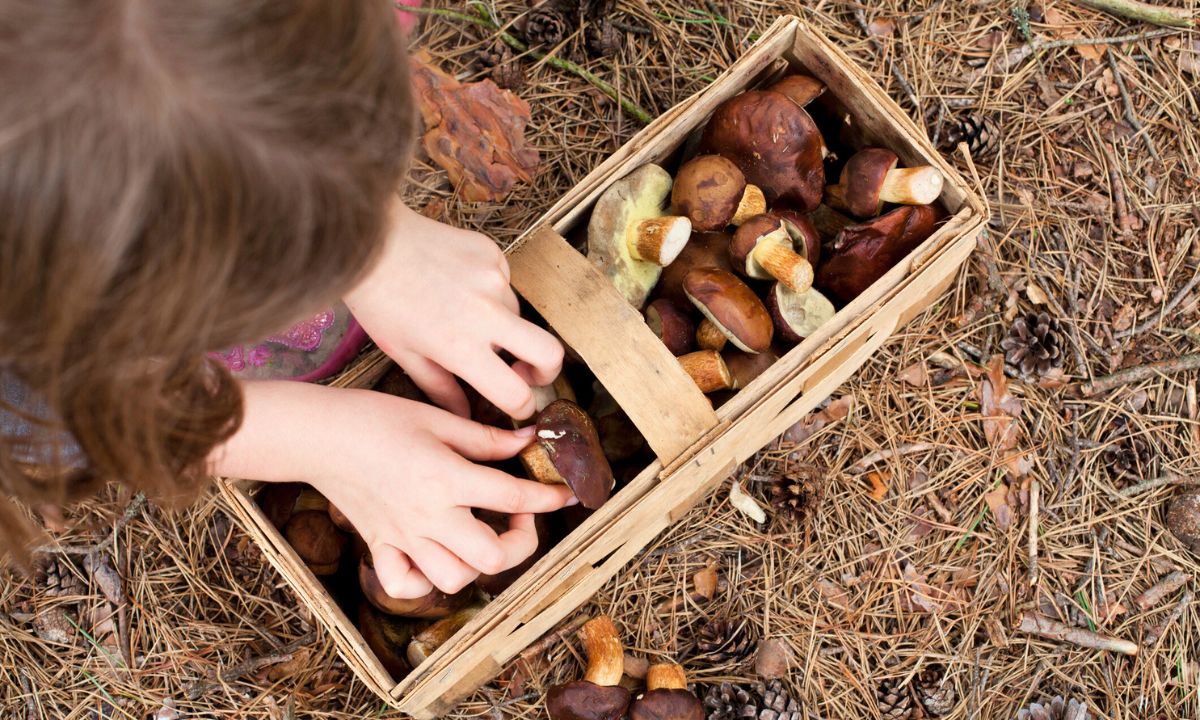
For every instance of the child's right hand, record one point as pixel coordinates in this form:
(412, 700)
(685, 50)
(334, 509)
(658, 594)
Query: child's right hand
(401, 471)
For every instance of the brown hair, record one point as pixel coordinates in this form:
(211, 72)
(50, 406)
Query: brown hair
(175, 177)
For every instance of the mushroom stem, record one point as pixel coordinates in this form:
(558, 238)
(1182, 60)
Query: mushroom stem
(774, 254)
(540, 467)
(708, 369)
(426, 642)
(606, 657)
(709, 336)
(666, 676)
(753, 203)
(660, 240)
(912, 186)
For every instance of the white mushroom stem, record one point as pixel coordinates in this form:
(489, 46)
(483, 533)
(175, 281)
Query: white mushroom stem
(540, 467)
(707, 369)
(659, 240)
(774, 257)
(709, 336)
(912, 186)
(606, 657)
(753, 203)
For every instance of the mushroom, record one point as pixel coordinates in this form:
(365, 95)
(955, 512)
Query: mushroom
(800, 89)
(797, 315)
(765, 247)
(424, 643)
(619, 437)
(567, 450)
(731, 306)
(339, 519)
(707, 369)
(709, 336)
(829, 222)
(712, 192)
(709, 249)
(316, 540)
(666, 696)
(671, 324)
(1183, 519)
(744, 367)
(493, 585)
(387, 637)
(434, 604)
(870, 178)
(599, 695)
(775, 143)
(280, 501)
(629, 237)
(803, 228)
(861, 254)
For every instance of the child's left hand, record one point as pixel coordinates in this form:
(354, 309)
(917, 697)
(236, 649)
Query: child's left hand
(438, 302)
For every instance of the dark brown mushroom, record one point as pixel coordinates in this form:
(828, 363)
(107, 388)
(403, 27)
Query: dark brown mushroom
(745, 367)
(567, 450)
(765, 247)
(316, 540)
(671, 324)
(730, 305)
(829, 222)
(427, 641)
(707, 369)
(712, 192)
(800, 89)
(339, 519)
(666, 696)
(703, 250)
(775, 143)
(619, 437)
(434, 604)
(870, 178)
(797, 315)
(388, 638)
(861, 254)
(805, 236)
(279, 501)
(1183, 519)
(599, 696)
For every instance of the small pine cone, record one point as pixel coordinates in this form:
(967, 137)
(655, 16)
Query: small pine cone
(778, 703)
(59, 579)
(936, 695)
(729, 702)
(894, 702)
(721, 640)
(1128, 458)
(1034, 345)
(798, 492)
(548, 24)
(503, 67)
(1056, 709)
(603, 38)
(978, 132)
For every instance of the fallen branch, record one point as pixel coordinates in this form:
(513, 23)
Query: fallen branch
(1155, 594)
(1024, 51)
(1050, 629)
(31, 711)
(1130, 116)
(1145, 12)
(1182, 363)
(880, 455)
(1117, 185)
(554, 638)
(1035, 488)
(285, 653)
(1168, 479)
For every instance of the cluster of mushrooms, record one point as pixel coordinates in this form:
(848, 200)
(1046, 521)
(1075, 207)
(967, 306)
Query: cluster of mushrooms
(600, 694)
(569, 447)
(746, 251)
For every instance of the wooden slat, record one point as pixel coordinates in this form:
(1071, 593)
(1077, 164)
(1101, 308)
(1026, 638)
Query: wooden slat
(598, 323)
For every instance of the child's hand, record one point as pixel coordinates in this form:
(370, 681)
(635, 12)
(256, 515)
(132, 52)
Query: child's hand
(401, 471)
(439, 303)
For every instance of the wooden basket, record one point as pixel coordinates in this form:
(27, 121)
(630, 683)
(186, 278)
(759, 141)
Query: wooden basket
(697, 447)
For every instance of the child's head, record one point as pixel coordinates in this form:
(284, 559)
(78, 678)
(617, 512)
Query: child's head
(176, 177)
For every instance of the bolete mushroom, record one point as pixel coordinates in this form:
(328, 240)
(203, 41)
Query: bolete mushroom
(619, 437)
(707, 369)
(280, 501)
(805, 235)
(666, 696)
(434, 604)
(316, 540)
(567, 450)
(671, 324)
(800, 89)
(712, 192)
(630, 238)
(427, 641)
(1183, 519)
(388, 638)
(764, 247)
(599, 695)
(731, 306)
(709, 249)
(797, 315)
(870, 178)
(861, 254)
(339, 519)
(709, 336)
(744, 367)
(775, 143)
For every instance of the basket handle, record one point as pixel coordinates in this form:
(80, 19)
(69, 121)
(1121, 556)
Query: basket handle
(591, 316)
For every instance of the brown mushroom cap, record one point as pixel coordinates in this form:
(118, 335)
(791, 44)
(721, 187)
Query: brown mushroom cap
(339, 519)
(619, 437)
(709, 249)
(280, 501)
(671, 324)
(863, 253)
(805, 237)
(316, 540)
(797, 315)
(732, 306)
(667, 704)
(744, 367)
(708, 190)
(1183, 519)
(387, 637)
(434, 604)
(862, 180)
(568, 441)
(775, 143)
(765, 247)
(800, 89)
(582, 700)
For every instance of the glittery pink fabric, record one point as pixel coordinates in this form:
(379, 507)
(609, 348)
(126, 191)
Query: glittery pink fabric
(313, 349)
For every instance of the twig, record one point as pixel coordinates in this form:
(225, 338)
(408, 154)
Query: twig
(1117, 180)
(1155, 593)
(1182, 363)
(554, 637)
(1145, 12)
(1168, 479)
(860, 17)
(200, 688)
(31, 712)
(628, 105)
(131, 511)
(1153, 636)
(1035, 488)
(887, 454)
(1130, 116)
(1019, 54)
(1051, 629)
(1162, 314)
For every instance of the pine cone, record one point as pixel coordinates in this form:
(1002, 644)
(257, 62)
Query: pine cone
(730, 702)
(503, 67)
(1033, 346)
(798, 492)
(1128, 458)
(894, 702)
(978, 132)
(720, 640)
(1056, 709)
(549, 23)
(603, 38)
(59, 579)
(778, 703)
(937, 695)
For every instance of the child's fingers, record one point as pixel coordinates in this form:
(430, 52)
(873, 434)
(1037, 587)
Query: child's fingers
(476, 441)
(497, 382)
(443, 568)
(492, 489)
(397, 575)
(477, 545)
(540, 350)
(509, 297)
(437, 382)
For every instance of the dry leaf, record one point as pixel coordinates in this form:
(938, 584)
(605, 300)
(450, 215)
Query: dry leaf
(916, 374)
(705, 581)
(923, 595)
(997, 502)
(167, 711)
(920, 527)
(107, 578)
(1054, 379)
(879, 484)
(299, 662)
(1189, 58)
(882, 27)
(747, 505)
(999, 409)
(1123, 320)
(1091, 52)
(475, 131)
(1036, 295)
(834, 594)
(773, 660)
(814, 421)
